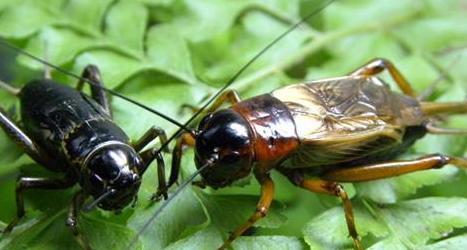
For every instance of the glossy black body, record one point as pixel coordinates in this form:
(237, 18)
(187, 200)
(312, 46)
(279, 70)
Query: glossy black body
(67, 125)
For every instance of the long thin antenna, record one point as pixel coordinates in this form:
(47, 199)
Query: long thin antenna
(242, 69)
(166, 203)
(90, 206)
(21, 51)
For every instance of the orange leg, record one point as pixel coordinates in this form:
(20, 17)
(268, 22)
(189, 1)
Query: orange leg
(390, 169)
(267, 193)
(376, 66)
(329, 188)
(334, 188)
(228, 95)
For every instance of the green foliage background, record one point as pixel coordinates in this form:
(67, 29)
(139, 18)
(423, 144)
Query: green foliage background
(164, 53)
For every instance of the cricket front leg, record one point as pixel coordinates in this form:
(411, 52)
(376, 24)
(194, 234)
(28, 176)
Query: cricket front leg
(185, 140)
(72, 219)
(267, 194)
(149, 155)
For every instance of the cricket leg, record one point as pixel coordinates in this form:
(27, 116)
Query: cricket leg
(392, 168)
(267, 193)
(25, 183)
(150, 135)
(330, 188)
(227, 96)
(378, 65)
(72, 219)
(91, 72)
(185, 140)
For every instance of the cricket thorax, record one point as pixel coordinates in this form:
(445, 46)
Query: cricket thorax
(273, 126)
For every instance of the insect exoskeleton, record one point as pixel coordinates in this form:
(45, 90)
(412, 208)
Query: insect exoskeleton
(69, 132)
(346, 129)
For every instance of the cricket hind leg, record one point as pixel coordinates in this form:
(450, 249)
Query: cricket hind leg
(392, 168)
(378, 65)
(92, 73)
(330, 188)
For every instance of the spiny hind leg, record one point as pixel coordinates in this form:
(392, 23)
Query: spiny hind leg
(91, 72)
(392, 168)
(72, 218)
(25, 183)
(376, 66)
(330, 188)
(267, 193)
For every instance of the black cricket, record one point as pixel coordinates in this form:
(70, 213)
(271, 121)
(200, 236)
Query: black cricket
(67, 131)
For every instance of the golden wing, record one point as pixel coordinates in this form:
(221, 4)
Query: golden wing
(343, 119)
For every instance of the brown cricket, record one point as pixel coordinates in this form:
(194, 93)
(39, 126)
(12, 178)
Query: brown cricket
(318, 134)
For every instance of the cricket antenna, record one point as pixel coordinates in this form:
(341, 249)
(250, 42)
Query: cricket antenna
(112, 92)
(242, 69)
(89, 207)
(167, 202)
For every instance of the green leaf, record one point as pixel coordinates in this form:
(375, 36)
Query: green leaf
(405, 225)
(16, 25)
(183, 213)
(167, 51)
(269, 242)
(131, 17)
(457, 242)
